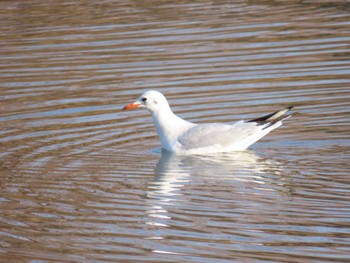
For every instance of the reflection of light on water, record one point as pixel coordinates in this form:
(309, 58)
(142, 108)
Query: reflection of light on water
(165, 189)
(157, 212)
(169, 186)
(168, 252)
(156, 215)
(175, 172)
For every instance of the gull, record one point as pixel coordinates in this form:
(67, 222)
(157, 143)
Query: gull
(183, 137)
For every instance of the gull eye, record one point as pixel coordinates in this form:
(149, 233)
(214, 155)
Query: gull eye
(144, 99)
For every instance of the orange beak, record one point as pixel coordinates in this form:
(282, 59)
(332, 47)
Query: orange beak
(133, 105)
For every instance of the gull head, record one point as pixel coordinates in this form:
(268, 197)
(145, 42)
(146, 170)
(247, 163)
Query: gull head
(152, 100)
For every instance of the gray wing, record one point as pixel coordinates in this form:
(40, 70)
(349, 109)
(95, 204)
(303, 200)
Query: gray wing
(204, 135)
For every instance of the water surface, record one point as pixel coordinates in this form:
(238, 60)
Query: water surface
(83, 181)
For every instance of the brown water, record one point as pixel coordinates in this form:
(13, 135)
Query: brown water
(82, 181)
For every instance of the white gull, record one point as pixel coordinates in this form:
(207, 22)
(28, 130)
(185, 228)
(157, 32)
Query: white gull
(183, 137)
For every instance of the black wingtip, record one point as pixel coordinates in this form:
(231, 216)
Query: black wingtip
(273, 117)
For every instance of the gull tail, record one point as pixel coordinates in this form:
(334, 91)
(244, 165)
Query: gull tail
(273, 118)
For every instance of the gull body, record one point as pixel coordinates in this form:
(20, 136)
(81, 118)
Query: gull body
(183, 137)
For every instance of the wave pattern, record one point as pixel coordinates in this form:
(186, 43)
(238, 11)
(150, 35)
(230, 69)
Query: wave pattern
(81, 180)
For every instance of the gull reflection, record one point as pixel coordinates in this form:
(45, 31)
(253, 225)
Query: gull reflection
(179, 174)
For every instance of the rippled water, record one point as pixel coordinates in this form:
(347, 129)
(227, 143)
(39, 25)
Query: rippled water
(83, 181)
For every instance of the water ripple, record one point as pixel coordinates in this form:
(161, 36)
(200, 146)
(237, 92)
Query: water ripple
(81, 180)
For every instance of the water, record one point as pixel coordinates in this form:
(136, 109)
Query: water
(82, 181)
